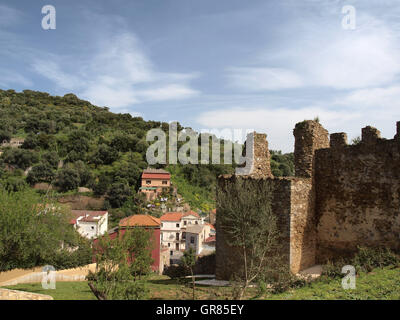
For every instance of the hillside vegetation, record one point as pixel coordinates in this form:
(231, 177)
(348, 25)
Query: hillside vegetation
(70, 143)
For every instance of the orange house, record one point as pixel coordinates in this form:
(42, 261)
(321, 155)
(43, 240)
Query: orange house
(154, 182)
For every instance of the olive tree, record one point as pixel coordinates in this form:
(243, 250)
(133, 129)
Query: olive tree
(250, 227)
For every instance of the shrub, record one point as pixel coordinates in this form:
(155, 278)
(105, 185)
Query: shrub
(368, 259)
(176, 271)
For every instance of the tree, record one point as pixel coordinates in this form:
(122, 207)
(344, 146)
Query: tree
(140, 245)
(250, 227)
(102, 185)
(5, 136)
(32, 231)
(67, 179)
(118, 194)
(20, 158)
(42, 172)
(114, 277)
(188, 261)
(105, 155)
(51, 158)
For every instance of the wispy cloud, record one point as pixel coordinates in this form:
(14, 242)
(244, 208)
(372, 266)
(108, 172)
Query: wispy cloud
(118, 74)
(9, 78)
(261, 79)
(323, 54)
(9, 16)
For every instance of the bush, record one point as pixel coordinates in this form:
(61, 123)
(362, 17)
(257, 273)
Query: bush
(366, 259)
(176, 271)
(205, 265)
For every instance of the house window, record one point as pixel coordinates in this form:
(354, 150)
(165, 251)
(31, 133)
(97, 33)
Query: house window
(183, 235)
(148, 181)
(177, 246)
(177, 236)
(171, 252)
(177, 225)
(169, 245)
(92, 228)
(191, 239)
(184, 223)
(165, 182)
(197, 222)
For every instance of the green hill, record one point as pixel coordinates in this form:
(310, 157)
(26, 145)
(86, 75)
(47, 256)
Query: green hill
(70, 143)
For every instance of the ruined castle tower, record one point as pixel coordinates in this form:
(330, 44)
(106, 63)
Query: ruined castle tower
(257, 157)
(309, 137)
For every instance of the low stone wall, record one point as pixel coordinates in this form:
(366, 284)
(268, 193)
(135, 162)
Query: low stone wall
(6, 294)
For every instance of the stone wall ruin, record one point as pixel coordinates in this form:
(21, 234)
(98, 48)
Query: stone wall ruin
(342, 196)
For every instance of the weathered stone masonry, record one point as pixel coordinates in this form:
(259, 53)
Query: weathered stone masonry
(342, 196)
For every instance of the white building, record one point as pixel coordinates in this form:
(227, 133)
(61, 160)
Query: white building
(173, 231)
(196, 236)
(90, 224)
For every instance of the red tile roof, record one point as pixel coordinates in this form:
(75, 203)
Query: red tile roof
(177, 216)
(150, 173)
(172, 216)
(141, 220)
(188, 213)
(156, 176)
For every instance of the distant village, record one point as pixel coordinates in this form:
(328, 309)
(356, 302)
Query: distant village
(173, 233)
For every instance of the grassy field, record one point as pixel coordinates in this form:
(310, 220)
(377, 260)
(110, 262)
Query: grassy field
(379, 284)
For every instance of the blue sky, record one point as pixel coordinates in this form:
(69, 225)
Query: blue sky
(259, 64)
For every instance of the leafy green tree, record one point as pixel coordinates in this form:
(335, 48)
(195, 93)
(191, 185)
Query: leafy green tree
(20, 158)
(114, 277)
(102, 185)
(67, 179)
(140, 245)
(85, 176)
(42, 172)
(14, 183)
(51, 158)
(118, 194)
(105, 155)
(250, 226)
(5, 136)
(31, 233)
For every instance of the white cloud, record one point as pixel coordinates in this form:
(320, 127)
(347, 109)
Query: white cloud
(260, 79)
(118, 75)
(355, 60)
(277, 123)
(168, 92)
(10, 77)
(322, 54)
(52, 70)
(9, 16)
(384, 99)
